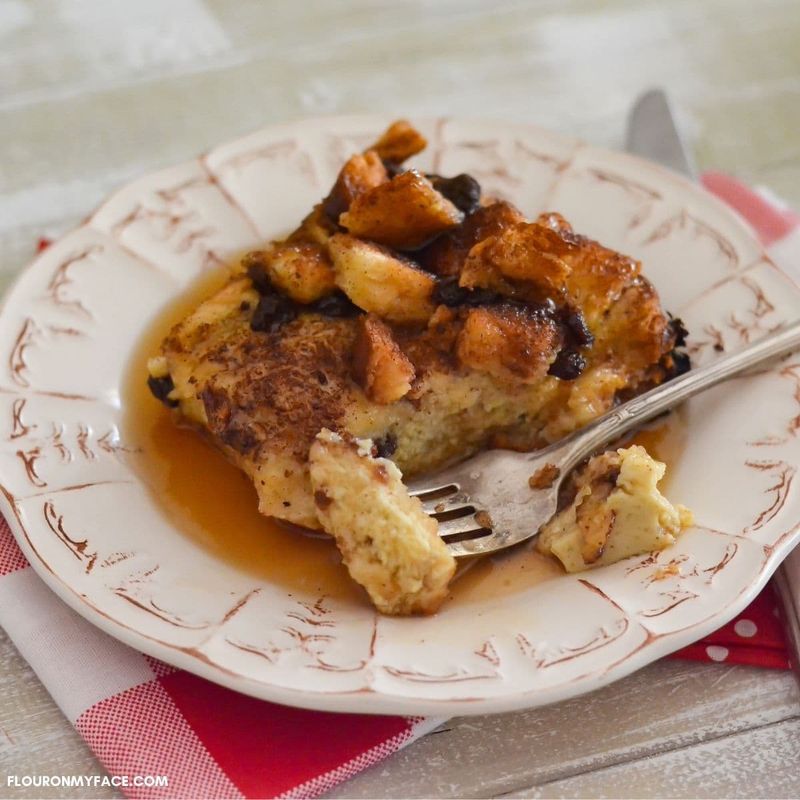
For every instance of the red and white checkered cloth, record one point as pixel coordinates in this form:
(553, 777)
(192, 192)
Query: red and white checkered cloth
(142, 717)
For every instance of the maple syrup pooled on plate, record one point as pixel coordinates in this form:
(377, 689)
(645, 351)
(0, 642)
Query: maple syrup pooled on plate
(214, 504)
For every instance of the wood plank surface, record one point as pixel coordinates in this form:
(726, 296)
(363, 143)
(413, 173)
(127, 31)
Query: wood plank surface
(93, 94)
(667, 708)
(759, 763)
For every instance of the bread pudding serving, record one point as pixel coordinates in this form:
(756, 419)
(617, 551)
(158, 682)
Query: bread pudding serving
(409, 321)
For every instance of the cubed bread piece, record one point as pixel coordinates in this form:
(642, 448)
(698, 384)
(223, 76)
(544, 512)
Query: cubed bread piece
(388, 543)
(617, 512)
(556, 222)
(399, 142)
(379, 281)
(446, 255)
(316, 227)
(509, 342)
(404, 213)
(361, 172)
(597, 277)
(635, 330)
(525, 260)
(302, 270)
(379, 365)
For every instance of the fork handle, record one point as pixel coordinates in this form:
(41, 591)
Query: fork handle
(650, 404)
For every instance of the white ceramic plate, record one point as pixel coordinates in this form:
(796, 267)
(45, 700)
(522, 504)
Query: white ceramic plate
(95, 535)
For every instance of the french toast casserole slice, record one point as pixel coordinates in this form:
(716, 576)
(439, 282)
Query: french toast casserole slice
(409, 310)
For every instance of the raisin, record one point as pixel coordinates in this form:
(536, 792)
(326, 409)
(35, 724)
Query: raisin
(450, 294)
(577, 330)
(254, 265)
(679, 330)
(463, 191)
(337, 304)
(335, 204)
(321, 500)
(272, 311)
(161, 388)
(569, 364)
(681, 363)
(385, 446)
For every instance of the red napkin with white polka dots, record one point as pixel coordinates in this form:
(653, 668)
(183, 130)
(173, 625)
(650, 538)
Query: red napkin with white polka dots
(756, 637)
(145, 718)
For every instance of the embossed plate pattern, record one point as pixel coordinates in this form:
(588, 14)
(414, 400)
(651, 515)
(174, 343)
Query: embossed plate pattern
(92, 531)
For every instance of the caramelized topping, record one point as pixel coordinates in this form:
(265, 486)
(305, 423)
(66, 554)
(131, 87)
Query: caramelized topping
(405, 213)
(525, 261)
(361, 173)
(510, 342)
(399, 142)
(446, 255)
(512, 296)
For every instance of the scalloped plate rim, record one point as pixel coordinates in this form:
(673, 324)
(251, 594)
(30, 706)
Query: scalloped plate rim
(370, 700)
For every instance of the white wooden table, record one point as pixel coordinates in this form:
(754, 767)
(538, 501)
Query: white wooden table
(93, 93)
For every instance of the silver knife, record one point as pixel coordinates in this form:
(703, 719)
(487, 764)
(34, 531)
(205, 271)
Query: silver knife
(653, 134)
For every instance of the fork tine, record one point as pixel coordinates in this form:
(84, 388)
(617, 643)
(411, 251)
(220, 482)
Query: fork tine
(476, 545)
(452, 510)
(446, 505)
(462, 548)
(461, 525)
(434, 492)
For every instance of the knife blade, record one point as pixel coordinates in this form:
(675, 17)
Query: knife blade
(653, 134)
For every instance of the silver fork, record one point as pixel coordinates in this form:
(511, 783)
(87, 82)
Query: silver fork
(487, 503)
